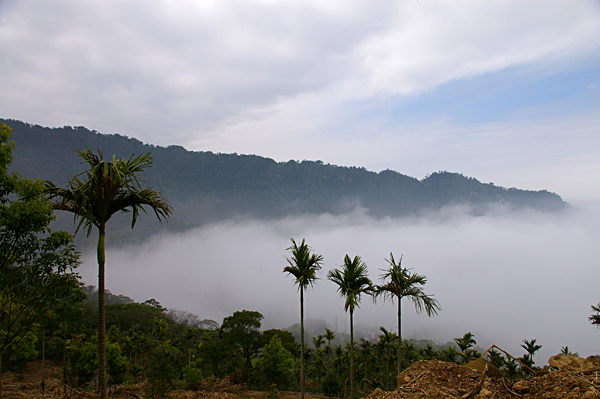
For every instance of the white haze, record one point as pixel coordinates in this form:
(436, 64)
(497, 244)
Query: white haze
(505, 277)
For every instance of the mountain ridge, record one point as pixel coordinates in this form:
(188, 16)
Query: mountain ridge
(205, 187)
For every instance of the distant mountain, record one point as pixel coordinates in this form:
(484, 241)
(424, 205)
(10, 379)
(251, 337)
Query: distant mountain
(205, 187)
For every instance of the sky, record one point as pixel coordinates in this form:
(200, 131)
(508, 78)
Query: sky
(505, 91)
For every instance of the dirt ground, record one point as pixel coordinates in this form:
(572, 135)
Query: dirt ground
(423, 379)
(26, 383)
(436, 379)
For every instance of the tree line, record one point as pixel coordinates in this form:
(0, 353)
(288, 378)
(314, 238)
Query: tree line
(43, 305)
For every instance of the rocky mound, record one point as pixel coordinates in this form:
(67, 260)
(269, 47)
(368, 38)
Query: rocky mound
(437, 379)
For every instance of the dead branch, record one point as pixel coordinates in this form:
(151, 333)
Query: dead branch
(477, 387)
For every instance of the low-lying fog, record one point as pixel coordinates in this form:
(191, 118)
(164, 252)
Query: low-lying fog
(505, 277)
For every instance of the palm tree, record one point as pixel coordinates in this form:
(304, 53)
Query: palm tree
(107, 188)
(304, 266)
(448, 355)
(531, 347)
(329, 336)
(318, 341)
(465, 344)
(352, 281)
(466, 341)
(399, 283)
(387, 338)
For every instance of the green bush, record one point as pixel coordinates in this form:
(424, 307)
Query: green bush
(275, 365)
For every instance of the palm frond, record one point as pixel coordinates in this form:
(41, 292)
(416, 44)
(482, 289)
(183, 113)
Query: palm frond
(400, 282)
(595, 318)
(352, 281)
(303, 265)
(106, 188)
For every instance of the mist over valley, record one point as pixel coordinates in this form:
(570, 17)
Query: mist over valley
(505, 276)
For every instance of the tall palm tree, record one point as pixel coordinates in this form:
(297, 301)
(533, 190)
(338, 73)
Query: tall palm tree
(103, 190)
(304, 266)
(352, 281)
(400, 283)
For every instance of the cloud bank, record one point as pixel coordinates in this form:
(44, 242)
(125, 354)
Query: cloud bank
(504, 276)
(206, 65)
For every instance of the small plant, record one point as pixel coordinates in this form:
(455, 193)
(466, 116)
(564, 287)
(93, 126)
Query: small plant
(512, 368)
(527, 361)
(467, 341)
(273, 392)
(531, 347)
(497, 359)
(566, 351)
(465, 344)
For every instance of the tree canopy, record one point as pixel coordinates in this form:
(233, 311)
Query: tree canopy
(37, 265)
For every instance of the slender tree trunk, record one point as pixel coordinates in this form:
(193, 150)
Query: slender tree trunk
(101, 321)
(399, 336)
(1, 354)
(43, 361)
(64, 365)
(387, 369)
(351, 354)
(301, 343)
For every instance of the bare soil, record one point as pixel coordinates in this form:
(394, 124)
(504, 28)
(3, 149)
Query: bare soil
(423, 379)
(436, 379)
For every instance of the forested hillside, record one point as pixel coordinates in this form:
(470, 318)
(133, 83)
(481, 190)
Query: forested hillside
(206, 187)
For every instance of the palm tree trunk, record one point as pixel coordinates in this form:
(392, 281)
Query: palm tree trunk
(101, 321)
(399, 336)
(387, 369)
(301, 343)
(1, 354)
(351, 354)
(43, 361)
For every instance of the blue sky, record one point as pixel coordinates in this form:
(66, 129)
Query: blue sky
(504, 91)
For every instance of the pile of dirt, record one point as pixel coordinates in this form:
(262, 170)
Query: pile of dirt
(576, 378)
(437, 379)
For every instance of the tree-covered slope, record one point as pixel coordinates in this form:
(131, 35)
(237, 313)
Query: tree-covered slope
(205, 187)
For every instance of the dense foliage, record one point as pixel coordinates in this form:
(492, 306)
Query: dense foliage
(37, 279)
(146, 342)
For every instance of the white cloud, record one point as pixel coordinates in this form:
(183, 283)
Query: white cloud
(141, 68)
(429, 43)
